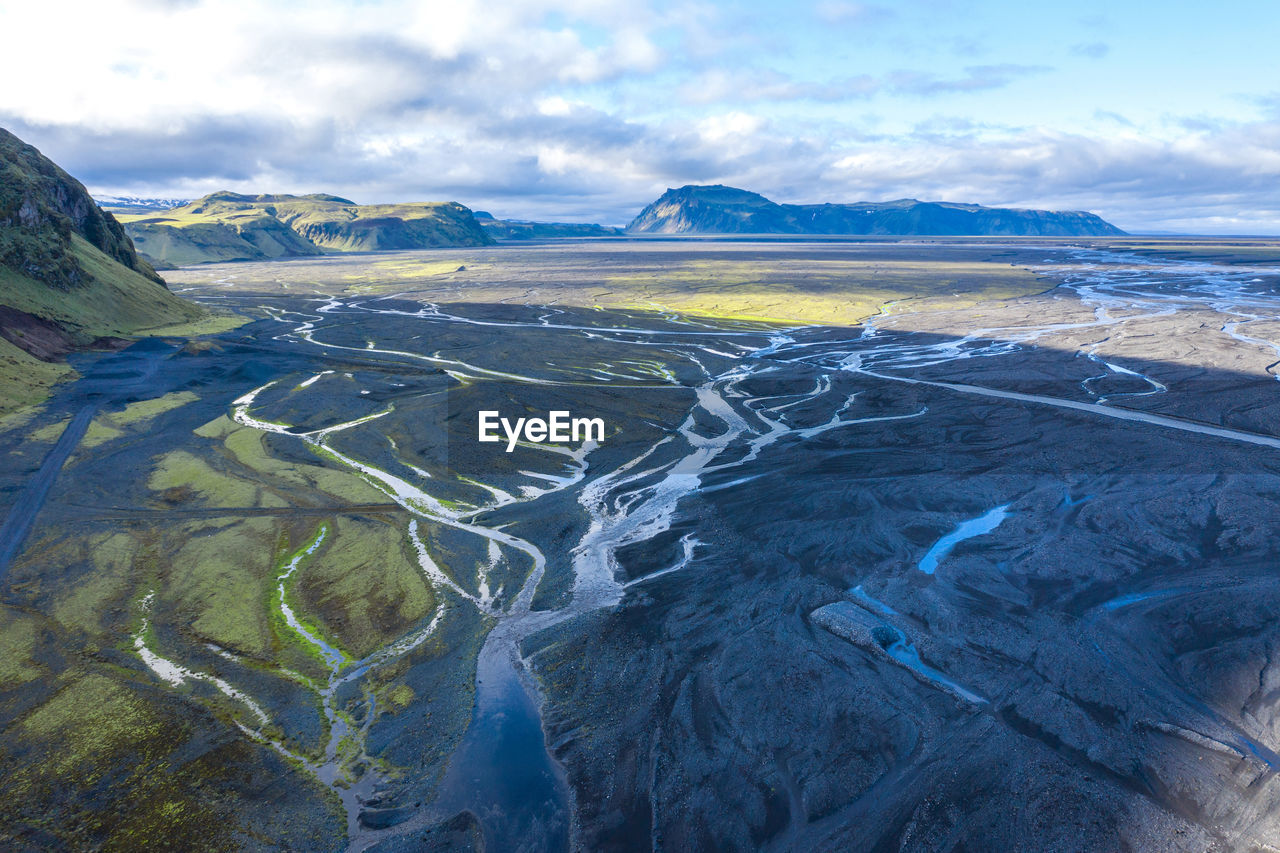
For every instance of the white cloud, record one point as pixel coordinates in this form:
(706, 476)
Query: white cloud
(554, 106)
(303, 62)
(583, 109)
(730, 126)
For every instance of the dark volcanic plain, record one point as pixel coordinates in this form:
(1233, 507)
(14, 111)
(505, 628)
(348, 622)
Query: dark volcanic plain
(889, 546)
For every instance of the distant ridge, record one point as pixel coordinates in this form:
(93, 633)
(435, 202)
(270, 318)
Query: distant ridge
(228, 226)
(717, 209)
(524, 229)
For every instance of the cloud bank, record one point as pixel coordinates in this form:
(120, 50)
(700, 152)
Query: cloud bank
(587, 110)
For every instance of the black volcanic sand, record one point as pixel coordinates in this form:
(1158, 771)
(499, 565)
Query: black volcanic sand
(1101, 660)
(809, 743)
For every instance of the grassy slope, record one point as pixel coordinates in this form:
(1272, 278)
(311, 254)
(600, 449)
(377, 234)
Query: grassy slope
(118, 302)
(361, 228)
(214, 581)
(508, 229)
(180, 242)
(24, 379)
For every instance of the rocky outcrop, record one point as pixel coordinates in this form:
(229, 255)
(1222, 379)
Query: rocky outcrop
(41, 206)
(70, 277)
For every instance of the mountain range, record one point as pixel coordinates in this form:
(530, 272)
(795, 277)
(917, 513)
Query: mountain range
(118, 204)
(717, 209)
(227, 226)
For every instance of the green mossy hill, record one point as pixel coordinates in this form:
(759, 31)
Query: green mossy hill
(69, 275)
(726, 210)
(347, 227)
(246, 236)
(227, 226)
(41, 207)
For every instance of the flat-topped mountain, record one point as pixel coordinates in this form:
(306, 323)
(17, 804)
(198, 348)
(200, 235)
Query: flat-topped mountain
(719, 209)
(227, 226)
(69, 274)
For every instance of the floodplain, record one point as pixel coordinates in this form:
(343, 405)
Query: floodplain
(887, 545)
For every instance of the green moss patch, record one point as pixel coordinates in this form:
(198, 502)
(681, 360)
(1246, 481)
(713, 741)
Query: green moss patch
(85, 721)
(363, 588)
(221, 578)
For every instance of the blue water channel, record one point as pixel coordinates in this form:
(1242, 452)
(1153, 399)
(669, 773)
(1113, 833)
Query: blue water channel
(984, 523)
(501, 770)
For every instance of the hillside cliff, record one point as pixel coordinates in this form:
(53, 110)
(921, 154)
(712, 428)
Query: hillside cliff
(41, 206)
(69, 275)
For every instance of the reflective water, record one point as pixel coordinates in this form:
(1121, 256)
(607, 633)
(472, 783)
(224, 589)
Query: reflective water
(984, 523)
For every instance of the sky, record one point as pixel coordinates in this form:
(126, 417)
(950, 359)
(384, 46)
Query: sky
(1158, 117)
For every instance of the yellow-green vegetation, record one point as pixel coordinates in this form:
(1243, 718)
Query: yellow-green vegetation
(831, 287)
(212, 324)
(181, 240)
(24, 379)
(108, 777)
(145, 410)
(363, 587)
(18, 419)
(246, 446)
(68, 275)
(408, 268)
(49, 432)
(114, 558)
(360, 588)
(398, 698)
(305, 631)
(18, 634)
(190, 477)
(221, 576)
(108, 427)
(339, 226)
(99, 432)
(89, 718)
(836, 293)
(219, 427)
(116, 302)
